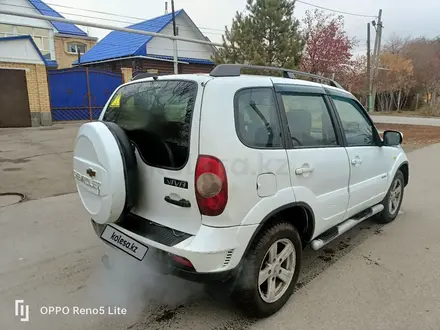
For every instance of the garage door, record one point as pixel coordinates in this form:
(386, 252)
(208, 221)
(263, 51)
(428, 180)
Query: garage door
(14, 101)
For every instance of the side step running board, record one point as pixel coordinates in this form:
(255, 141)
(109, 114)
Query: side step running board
(337, 231)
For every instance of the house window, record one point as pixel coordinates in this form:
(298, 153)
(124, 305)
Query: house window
(6, 30)
(76, 47)
(41, 37)
(25, 30)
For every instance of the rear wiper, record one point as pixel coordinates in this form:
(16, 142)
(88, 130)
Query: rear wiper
(269, 129)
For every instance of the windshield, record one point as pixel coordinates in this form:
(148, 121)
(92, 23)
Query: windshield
(157, 116)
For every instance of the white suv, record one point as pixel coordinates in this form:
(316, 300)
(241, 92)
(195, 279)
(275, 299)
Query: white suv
(224, 177)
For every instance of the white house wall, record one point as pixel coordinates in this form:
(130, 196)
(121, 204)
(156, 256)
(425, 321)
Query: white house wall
(28, 8)
(19, 51)
(161, 46)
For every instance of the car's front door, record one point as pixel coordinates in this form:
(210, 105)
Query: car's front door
(318, 162)
(368, 166)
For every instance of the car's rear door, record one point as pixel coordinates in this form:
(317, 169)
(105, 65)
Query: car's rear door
(160, 117)
(318, 161)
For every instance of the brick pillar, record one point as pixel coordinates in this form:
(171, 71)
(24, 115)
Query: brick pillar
(43, 93)
(127, 74)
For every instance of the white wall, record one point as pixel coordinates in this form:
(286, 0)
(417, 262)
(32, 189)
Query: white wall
(22, 20)
(21, 51)
(161, 46)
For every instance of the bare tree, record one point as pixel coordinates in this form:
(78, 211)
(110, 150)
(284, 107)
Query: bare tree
(395, 44)
(396, 81)
(425, 56)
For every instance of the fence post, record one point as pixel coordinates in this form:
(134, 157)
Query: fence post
(127, 74)
(88, 94)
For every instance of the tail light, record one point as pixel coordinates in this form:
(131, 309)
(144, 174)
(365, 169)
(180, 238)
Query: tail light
(182, 261)
(211, 185)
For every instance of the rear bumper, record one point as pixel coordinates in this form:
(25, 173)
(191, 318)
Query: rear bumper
(214, 253)
(169, 267)
(163, 264)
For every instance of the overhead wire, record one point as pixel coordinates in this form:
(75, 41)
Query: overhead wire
(180, 26)
(200, 27)
(335, 10)
(117, 15)
(107, 43)
(108, 19)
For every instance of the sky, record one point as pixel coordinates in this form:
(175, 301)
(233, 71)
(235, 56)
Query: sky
(401, 17)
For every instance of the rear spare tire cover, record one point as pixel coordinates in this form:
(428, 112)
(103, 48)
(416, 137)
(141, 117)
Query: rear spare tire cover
(105, 171)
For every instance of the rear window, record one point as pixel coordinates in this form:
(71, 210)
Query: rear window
(156, 115)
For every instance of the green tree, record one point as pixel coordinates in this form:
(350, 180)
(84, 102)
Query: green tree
(265, 34)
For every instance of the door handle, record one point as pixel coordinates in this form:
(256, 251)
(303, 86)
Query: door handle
(303, 170)
(182, 202)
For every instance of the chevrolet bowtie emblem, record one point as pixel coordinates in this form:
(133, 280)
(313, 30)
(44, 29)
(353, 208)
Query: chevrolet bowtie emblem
(91, 172)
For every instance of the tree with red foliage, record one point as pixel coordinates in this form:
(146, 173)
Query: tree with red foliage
(328, 48)
(354, 76)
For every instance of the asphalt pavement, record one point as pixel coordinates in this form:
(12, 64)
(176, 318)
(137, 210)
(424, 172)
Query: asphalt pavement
(374, 277)
(37, 161)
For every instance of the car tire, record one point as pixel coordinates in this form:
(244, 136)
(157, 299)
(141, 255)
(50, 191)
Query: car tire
(393, 200)
(252, 296)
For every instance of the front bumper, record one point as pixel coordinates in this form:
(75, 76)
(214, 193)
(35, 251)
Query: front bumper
(214, 253)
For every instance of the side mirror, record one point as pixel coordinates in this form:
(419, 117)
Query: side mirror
(392, 138)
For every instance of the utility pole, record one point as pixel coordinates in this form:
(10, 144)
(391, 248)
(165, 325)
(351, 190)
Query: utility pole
(369, 67)
(375, 71)
(176, 65)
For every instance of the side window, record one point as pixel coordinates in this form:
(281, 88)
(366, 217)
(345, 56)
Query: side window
(76, 47)
(358, 131)
(256, 118)
(309, 120)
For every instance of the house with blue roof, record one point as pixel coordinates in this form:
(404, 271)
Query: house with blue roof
(58, 42)
(138, 52)
(28, 49)
(24, 95)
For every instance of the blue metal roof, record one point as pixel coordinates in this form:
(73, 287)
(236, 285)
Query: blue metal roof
(122, 44)
(48, 63)
(52, 64)
(64, 28)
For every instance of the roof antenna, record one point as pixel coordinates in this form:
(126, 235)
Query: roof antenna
(166, 7)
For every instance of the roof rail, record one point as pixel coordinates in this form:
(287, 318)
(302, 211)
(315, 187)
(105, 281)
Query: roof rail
(143, 75)
(234, 70)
